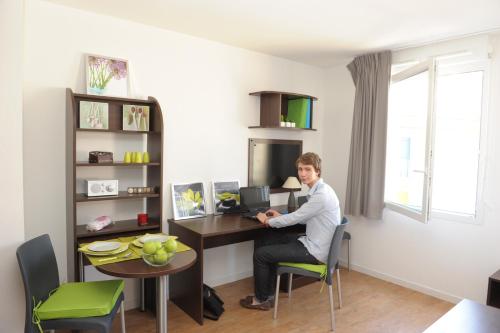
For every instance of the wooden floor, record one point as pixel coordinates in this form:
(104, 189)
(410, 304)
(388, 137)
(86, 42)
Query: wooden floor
(369, 305)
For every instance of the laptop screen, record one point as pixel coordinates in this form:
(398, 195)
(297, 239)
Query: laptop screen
(254, 197)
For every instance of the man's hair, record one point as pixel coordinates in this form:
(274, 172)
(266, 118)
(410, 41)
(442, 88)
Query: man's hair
(310, 159)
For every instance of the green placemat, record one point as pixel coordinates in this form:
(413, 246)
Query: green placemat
(181, 247)
(133, 252)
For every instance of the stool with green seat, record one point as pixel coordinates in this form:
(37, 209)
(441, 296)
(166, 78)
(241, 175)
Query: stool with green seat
(324, 271)
(75, 306)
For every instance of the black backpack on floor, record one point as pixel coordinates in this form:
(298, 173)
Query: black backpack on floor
(212, 304)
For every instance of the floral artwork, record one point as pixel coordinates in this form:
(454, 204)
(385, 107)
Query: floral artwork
(188, 200)
(107, 76)
(93, 115)
(226, 196)
(135, 118)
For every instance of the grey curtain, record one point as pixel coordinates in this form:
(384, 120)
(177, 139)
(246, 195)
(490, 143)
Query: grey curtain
(371, 74)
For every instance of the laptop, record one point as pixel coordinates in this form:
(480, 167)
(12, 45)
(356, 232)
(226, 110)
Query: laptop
(254, 200)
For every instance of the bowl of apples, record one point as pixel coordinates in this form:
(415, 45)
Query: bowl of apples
(156, 254)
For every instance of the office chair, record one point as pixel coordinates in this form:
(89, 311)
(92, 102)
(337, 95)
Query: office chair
(76, 306)
(316, 271)
(347, 236)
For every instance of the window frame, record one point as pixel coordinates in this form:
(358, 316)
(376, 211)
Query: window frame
(433, 65)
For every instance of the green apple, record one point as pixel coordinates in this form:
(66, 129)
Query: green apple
(150, 258)
(170, 245)
(150, 247)
(161, 257)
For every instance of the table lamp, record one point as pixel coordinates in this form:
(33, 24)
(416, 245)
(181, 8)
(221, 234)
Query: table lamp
(292, 183)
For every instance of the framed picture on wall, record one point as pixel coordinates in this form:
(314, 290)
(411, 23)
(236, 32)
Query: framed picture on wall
(106, 76)
(94, 115)
(135, 118)
(188, 200)
(226, 196)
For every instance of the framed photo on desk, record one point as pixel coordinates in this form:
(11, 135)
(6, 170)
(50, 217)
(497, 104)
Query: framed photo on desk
(226, 196)
(188, 200)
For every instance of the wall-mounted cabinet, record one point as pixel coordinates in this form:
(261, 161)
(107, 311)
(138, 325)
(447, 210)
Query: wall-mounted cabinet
(276, 107)
(111, 136)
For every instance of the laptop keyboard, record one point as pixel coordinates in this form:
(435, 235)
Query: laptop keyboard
(253, 213)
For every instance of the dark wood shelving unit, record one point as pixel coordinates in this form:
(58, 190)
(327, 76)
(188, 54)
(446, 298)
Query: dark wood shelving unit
(119, 227)
(153, 172)
(493, 295)
(274, 104)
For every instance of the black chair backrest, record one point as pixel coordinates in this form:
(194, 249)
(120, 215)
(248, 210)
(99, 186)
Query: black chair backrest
(38, 265)
(333, 256)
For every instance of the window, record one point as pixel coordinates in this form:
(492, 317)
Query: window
(434, 136)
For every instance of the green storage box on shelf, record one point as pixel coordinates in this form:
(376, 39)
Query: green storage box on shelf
(298, 111)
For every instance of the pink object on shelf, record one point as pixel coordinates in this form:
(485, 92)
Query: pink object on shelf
(99, 223)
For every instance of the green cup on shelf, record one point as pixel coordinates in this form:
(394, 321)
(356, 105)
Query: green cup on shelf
(145, 157)
(138, 157)
(127, 158)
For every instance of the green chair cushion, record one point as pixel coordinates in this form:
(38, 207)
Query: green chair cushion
(321, 268)
(81, 299)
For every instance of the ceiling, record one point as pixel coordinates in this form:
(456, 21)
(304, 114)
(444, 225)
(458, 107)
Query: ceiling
(316, 32)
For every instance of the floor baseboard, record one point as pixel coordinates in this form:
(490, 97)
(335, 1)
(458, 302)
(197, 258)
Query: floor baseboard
(404, 283)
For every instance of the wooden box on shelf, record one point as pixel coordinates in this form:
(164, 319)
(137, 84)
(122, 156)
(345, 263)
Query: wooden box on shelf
(274, 107)
(153, 138)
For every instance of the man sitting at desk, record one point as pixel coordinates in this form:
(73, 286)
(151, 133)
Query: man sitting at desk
(320, 214)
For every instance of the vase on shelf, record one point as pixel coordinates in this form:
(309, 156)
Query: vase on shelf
(96, 90)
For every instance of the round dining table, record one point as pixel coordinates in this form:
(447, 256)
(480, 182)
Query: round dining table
(137, 268)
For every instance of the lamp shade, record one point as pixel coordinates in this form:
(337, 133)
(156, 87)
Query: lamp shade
(292, 183)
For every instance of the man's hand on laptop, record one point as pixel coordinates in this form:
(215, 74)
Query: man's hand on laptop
(262, 218)
(272, 213)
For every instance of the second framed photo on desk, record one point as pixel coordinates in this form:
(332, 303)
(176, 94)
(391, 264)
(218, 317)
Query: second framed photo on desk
(226, 196)
(188, 200)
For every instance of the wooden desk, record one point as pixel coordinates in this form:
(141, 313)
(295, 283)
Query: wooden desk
(139, 269)
(186, 288)
(468, 317)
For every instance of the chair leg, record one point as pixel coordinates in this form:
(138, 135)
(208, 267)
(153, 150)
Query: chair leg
(349, 255)
(122, 315)
(332, 315)
(275, 315)
(338, 288)
(290, 277)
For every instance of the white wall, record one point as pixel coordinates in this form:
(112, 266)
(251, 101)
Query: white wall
(450, 260)
(11, 169)
(202, 87)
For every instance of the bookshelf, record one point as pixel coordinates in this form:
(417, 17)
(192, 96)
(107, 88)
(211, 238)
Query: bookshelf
(274, 105)
(128, 174)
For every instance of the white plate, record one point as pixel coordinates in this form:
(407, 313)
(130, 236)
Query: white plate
(110, 253)
(104, 246)
(159, 238)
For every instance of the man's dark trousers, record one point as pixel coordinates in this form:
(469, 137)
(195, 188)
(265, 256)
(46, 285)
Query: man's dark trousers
(271, 249)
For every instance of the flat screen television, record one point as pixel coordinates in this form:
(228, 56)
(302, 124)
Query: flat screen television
(271, 162)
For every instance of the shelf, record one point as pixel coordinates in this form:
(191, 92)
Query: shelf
(292, 95)
(120, 164)
(285, 128)
(117, 131)
(118, 227)
(113, 98)
(122, 195)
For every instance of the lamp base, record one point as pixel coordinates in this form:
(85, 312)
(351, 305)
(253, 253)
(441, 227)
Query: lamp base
(292, 204)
